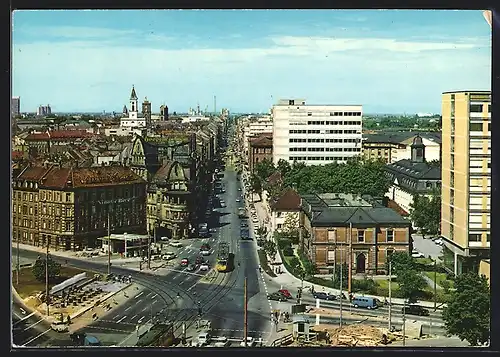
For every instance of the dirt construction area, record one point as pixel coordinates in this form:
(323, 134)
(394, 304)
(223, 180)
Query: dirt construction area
(353, 335)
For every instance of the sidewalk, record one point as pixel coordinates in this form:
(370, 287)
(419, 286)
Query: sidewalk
(293, 283)
(158, 267)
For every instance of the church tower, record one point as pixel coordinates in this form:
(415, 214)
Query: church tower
(134, 108)
(146, 111)
(417, 150)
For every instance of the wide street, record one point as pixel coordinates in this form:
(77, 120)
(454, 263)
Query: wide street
(177, 294)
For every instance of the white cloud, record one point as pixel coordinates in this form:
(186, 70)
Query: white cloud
(96, 74)
(330, 45)
(72, 32)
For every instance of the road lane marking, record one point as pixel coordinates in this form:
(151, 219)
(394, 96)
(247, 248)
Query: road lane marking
(133, 317)
(155, 295)
(18, 316)
(123, 318)
(36, 323)
(116, 317)
(128, 308)
(36, 337)
(24, 318)
(135, 297)
(140, 320)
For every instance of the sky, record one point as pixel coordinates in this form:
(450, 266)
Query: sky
(395, 61)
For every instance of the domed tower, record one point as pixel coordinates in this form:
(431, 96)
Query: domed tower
(417, 150)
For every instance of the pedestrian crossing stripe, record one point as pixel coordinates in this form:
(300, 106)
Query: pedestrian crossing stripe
(228, 330)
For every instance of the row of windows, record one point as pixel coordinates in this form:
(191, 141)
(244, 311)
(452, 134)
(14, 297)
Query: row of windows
(349, 131)
(330, 122)
(319, 158)
(476, 237)
(323, 140)
(389, 234)
(326, 149)
(478, 127)
(25, 196)
(25, 184)
(478, 108)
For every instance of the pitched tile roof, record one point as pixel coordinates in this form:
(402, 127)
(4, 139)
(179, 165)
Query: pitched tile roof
(32, 173)
(59, 135)
(263, 140)
(288, 201)
(17, 155)
(393, 205)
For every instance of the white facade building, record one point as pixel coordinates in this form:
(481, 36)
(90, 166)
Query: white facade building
(316, 134)
(432, 150)
(255, 127)
(134, 120)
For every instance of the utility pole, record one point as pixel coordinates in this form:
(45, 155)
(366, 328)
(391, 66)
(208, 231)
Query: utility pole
(47, 298)
(149, 252)
(18, 264)
(390, 293)
(109, 245)
(349, 281)
(341, 263)
(404, 322)
(435, 291)
(245, 303)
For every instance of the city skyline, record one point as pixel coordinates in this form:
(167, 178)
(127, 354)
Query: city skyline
(249, 59)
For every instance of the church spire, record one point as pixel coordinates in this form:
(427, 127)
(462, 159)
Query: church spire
(133, 96)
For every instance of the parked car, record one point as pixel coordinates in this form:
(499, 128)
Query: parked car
(205, 249)
(439, 241)
(184, 262)
(221, 341)
(286, 293)
(204, 266)
(250, 342)
(277, 297)
(175, 244)
(191, 267)
(415, 310)
(324, 296)
(416, 254)
(169, 256)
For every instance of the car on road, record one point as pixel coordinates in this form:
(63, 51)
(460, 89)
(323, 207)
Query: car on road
(250, 342)
(59, 326)
(323, 296)
(416, 254)
(184, 262)
(277, 297)
(221, 341)
(204, 266)
(205, 249)
(238, 200)
(204, 338)
(415, 310)
(169, 256)
(175, 244)
(239, 188)
(285, 293)
(164, 238)
(439, 241)
(191, 267)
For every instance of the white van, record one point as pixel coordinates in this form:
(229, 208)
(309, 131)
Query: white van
(59, 326)
(204, 339)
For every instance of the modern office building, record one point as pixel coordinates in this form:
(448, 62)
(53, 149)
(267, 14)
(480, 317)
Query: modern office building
(15, 106)
(44, 110)
(466, 178)
(316, 134)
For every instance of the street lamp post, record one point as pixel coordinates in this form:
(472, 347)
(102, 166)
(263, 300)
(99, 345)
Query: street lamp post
(18, 263)
(47, 297)
(390, 294)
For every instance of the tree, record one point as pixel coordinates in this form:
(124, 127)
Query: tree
(408, 277)
(468, 312)
(425, 213)
(270, 248)
(261, 232)
(256, 185)
(264, 169)
(290, 227)
(283, 167)
(410, 284)
(38, 269)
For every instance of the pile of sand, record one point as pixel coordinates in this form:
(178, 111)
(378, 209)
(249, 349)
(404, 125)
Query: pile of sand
(354, 335)
(32, 302)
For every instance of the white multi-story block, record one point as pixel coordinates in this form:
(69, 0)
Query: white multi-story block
(316, 134)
